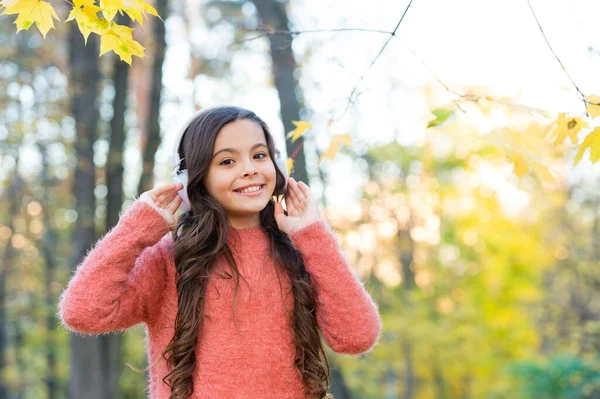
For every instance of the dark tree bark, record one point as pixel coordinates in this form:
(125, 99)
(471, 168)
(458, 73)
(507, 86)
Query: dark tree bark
(338, 385)
(6, 266)
(48, 244)
(112, 344)
(153, 135)
(273, 14)
(87, 374)
(409, 376)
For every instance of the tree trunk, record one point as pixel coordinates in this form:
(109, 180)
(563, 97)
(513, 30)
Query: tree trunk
(409, 371)
(14, 193)
(406, 247)
(48, 244)
(273, 14)
(112, 344)
(438, 379)
(87, 376)
(153, 135)
(338, 385)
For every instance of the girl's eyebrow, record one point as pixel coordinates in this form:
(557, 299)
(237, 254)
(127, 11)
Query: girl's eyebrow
(233, 150)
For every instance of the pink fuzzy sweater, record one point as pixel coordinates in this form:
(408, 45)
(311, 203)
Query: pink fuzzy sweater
(129, 278)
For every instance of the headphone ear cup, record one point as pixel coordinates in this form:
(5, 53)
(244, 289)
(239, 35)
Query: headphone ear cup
(182, 177)
(282, 166)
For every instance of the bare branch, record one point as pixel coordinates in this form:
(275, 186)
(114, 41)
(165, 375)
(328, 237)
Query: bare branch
(264, 32)
(353, 97)
(392, 35)
(586, 102)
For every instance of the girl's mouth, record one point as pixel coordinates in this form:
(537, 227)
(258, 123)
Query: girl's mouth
(253, 191)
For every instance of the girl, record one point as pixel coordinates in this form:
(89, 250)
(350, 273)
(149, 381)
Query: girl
(207, 335)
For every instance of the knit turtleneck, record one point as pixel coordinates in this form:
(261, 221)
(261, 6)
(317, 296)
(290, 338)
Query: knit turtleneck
(245, 348)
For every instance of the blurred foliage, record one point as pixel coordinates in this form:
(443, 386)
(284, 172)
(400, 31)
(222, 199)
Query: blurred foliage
(483, 258)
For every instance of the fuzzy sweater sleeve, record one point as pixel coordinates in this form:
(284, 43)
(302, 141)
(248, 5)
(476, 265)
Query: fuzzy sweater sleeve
(347, 316)
(121, 279)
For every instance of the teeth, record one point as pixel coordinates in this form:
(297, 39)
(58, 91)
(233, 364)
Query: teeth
(250, 189)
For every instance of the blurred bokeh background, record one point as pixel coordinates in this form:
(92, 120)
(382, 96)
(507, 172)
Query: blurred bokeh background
(477, 235)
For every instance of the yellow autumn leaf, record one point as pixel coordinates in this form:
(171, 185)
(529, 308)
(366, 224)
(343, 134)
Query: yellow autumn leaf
(136, 9)
(301, 127)
(594, 108)
(568, 127)
(520, 164)
(290, 165)
(119, 39)
(543, 172)
(8, 5)
(84, 13)
(520, 141)
(334, 146)
(591, 141)
(30, 12)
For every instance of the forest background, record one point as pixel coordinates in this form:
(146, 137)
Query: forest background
(465, 193)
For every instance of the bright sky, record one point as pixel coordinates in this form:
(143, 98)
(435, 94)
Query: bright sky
(464, 42)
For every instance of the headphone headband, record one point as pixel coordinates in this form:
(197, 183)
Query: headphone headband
(179, 136)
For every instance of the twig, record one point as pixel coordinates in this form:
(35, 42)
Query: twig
(392, 35)
(271, 32)
(586, 102)
(353, 97)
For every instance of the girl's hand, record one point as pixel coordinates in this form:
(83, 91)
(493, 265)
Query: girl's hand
(165, 200)
(302, 208)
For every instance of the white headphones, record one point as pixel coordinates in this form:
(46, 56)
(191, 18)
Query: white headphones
(181, 176)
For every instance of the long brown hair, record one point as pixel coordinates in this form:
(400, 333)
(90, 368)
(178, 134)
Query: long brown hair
(201, 236)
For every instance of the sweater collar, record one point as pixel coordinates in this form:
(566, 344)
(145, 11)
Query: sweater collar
(247, 234)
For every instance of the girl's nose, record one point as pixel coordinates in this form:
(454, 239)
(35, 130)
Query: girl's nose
(250, 170)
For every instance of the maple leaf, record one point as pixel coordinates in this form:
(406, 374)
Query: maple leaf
(568, 127)
(84, 13)
(334, 146)
(119, 39)
(8, 5)
(543, 172)
(136, 9)
(301, 127)
(592, 141)
(290, 165)
(30, 12)
(520, 164)
(441, 115)
(593, 109)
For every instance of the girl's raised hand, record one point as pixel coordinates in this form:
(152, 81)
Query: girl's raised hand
(302, 208)
(165, 200)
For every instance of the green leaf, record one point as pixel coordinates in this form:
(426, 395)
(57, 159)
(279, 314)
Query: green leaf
(441, 115)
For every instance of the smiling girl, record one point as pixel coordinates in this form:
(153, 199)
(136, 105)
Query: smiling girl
(208, 336)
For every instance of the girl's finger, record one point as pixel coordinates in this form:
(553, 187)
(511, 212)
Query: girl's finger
(162, 189)
(300, 194)
(304, 189)
(292, 189)
(167, 193)
(289, 205)
(168, 199)
(293, 193)
(174, 205)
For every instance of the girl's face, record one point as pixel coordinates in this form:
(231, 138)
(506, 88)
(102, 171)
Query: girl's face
(241, 160)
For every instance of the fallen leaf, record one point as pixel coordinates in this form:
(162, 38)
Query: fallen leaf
(301, 127)
(334, 146)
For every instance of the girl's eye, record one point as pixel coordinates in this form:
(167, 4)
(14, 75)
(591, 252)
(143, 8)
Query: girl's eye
(228, 161)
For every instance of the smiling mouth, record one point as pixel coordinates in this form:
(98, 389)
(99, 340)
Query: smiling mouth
(251, 190)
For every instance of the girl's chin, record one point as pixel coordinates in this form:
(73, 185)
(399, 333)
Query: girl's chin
(250, 204)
